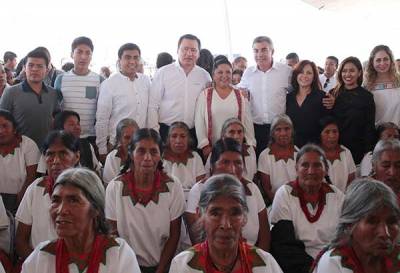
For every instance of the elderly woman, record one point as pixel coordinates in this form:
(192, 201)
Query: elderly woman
(69, 121)
(382, 79)
(83, 242)
(276, 164)
(386, 163)
(61, 151)
(19, 156)
(226, 157)
(340, 161)
(366, 237)
(144, 205)
(223, 207)
(354, 109)
(179, 159)
(116, 159)
(386, 130)
(309, 203)
(235, 129)
(218, 103)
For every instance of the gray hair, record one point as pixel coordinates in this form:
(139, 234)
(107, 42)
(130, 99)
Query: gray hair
(228, 123)
(92, 187)
(122, 124)
(364, 196)
(261, 39)
(277, 120)
(383, 146)
(222, 185)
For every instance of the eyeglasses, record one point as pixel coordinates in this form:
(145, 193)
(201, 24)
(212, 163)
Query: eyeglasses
(326, 82)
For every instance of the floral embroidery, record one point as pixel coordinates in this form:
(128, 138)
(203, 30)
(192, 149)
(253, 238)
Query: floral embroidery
(10, 149)
(170, 156)
(81, 264)
(199, 259)
(277, 157)
(337, 155)
(160, 187)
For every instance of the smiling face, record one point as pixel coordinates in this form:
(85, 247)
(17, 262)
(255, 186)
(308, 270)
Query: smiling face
(223, 221)
(129, 62)
(375, 234)
(59, 158)
(306, 76)
(350, 75)
(222, 76)
(382, 62)
(7, 131)
(71, 212)
(146, 157)
(330, 136)
(263, 54)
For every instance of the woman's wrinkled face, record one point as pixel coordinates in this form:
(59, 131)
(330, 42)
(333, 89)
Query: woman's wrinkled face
(375, 235)
(236, 132)
(7, 131)
(126, 135)
(282, 134)
(223, 221)
(71, 212)
(146, 156)
(179, 140)
(390, 133)
(330, 136)
(229, 162)
(310, 169)
(59, 158)
(387, 169)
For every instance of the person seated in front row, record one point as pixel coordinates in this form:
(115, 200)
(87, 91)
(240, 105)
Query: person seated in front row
(223, 206)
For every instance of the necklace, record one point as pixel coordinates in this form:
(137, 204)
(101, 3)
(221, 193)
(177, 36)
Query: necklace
(303, 203)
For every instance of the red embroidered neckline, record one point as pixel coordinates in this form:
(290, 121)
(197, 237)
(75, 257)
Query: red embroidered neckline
(9, 149)
(170, 156)
(48, 184)
(272, 151)
(299, 192)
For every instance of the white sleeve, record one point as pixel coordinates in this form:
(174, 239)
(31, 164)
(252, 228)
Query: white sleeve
(155, 96)
(42, 166)
(244, 83)
(31, 152)
(328, 264)
(200, 120)
(103, 114)
(280, 206)
(258, 197)
(263, 165)
(127, 258)
(366, 165)
(248, 123)
(111, 200)
(96, 163)
(350, 162)
(24, 212)
(198, 162)
(32, 263)
(110, 170)
(177, 206)
(271, 265)
(147, 85)
(193, 198)
(4, 221)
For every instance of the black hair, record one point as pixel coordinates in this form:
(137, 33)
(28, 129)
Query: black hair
(163, 59)
(224, 145)
(61, 117)
(67, 66)
(38, 53)
(237, 71)
(189, 37)
(82, 40)
(9, 55)
(221, 59)
(333, 58)
(67, 139)
(141, 134)
(128, 46)
(292, 55)
(8, 116)
(206, 60)
(325, 121)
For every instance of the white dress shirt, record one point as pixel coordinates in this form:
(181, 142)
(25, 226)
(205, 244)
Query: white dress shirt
(267, 91)
(330, 84)
(120, 98)
(173, 94)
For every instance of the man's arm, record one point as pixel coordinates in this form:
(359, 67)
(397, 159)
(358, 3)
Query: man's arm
(155, 96)
(103, 114)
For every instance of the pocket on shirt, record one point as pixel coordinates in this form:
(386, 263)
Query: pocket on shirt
(91, 92)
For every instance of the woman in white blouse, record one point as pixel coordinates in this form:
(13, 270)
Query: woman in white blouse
(383, 80)
(342, 168)
(218, 103)
(126, 128)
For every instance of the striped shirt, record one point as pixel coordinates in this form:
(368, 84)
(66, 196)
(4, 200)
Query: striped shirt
(80, 94)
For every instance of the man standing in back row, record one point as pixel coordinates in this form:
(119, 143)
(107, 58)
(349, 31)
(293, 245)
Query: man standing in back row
(267, 83)
(176, 87)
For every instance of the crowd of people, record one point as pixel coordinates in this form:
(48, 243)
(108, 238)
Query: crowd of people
(207, 166)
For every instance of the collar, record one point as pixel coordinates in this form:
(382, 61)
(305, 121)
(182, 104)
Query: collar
(170, 156)
(255, 68)
(27, 88)
(10, 149)
(178, 65)
(127, 78)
